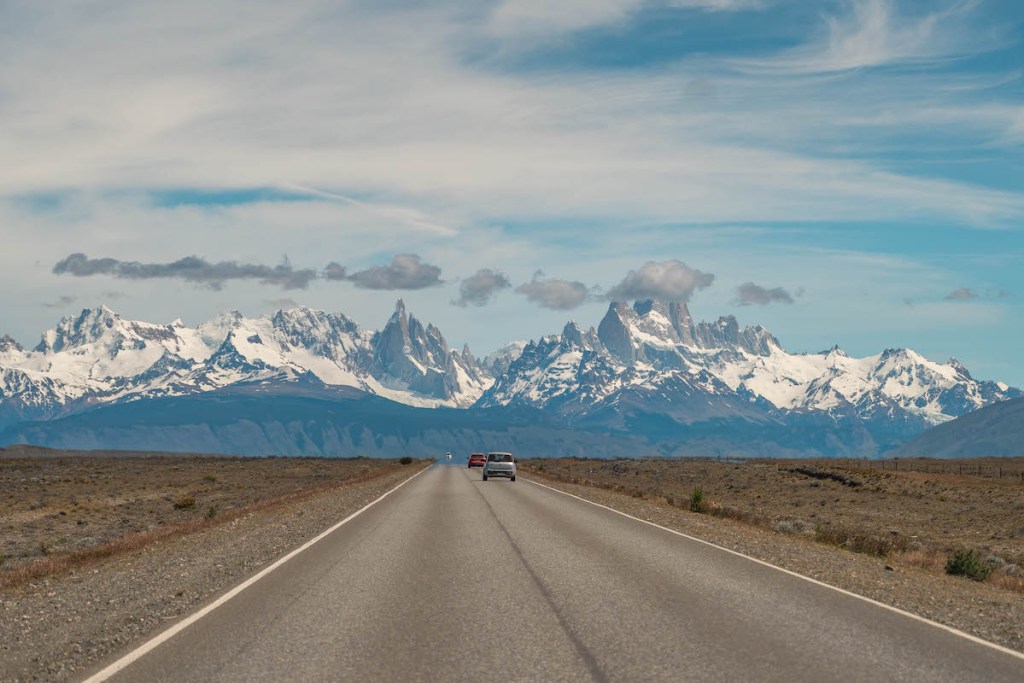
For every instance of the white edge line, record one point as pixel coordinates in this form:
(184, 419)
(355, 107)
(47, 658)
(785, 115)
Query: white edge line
(196, 616)
(897, 610)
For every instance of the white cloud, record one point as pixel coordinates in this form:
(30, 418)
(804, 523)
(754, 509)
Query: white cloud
(873, 34)
(519, 19)
(665, 280)
(406, 145)
(554, 294)
(383, 115)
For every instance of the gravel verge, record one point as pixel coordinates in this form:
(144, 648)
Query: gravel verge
(982, 610)
(58, 628)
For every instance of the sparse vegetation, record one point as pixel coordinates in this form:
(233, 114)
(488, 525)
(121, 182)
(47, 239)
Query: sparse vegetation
(185, 503)
(405, 460)
(100, 506)
(697, 503)
(790, 527)
(860, 541)
(967, 562)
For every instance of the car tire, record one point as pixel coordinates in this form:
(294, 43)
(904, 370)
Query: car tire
(513, 477)
(485, 477)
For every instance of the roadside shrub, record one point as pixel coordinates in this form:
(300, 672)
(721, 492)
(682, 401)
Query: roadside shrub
(405, 460)
(697, 502)
(186, 503)
(860, 541)
(790, 527)
(967, 562)
(212, 512)
(716, 510)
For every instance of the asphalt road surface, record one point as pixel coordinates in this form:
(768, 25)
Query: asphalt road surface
(451, 578)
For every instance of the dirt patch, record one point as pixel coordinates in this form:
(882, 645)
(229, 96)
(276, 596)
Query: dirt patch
(918, 513)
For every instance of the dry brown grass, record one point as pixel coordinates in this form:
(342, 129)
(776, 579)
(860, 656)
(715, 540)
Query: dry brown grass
(122, 503)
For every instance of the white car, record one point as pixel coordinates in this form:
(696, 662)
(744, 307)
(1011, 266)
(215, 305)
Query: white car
(500, 465)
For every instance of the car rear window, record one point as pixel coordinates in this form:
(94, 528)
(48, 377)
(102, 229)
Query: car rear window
(500, 457)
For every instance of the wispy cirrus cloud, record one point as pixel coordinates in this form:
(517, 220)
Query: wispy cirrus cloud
(521, 19)
(874, 33)
(962, 294)
(969, 294)
(61, 302)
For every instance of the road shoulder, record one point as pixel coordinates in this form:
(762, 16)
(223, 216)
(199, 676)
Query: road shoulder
(59, 627)
(978, 609)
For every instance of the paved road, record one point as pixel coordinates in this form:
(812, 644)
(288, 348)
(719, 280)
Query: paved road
(454, 579)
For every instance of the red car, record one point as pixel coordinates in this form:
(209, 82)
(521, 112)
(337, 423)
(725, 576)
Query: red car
(477, 460)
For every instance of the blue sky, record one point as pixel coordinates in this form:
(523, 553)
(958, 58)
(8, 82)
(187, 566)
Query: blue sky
(865, 156)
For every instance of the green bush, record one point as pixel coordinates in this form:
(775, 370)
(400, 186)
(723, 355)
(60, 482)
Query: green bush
(697, 502)
(405, 460)
(968, 562)
(212, 512)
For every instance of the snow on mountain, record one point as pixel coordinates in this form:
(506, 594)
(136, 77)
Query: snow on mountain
(655, 350)
(497, 362)
(408, 357)
(99, 357)
(646, 369)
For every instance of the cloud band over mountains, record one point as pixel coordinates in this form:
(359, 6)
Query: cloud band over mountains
(406, 271)
(670, 280)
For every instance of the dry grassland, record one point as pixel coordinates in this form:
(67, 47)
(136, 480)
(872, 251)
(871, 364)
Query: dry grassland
(60, 509)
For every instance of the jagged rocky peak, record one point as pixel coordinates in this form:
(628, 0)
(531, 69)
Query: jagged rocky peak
(415, 355)
(497, 362)
(682, 322)
(955, 363)
(314, 329)
(654, 318)
(572, 335)
(615, 331)
(390, 343)
(8, 344)
(725, 333)
(91, 325)
(759, 341)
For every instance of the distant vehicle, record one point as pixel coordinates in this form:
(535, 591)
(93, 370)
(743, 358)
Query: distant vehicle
(477, 460)
(500, 465)
(448, 457)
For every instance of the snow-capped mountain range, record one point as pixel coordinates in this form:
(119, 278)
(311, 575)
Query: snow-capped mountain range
(650, 344)
(98, 357)
(644, 362)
